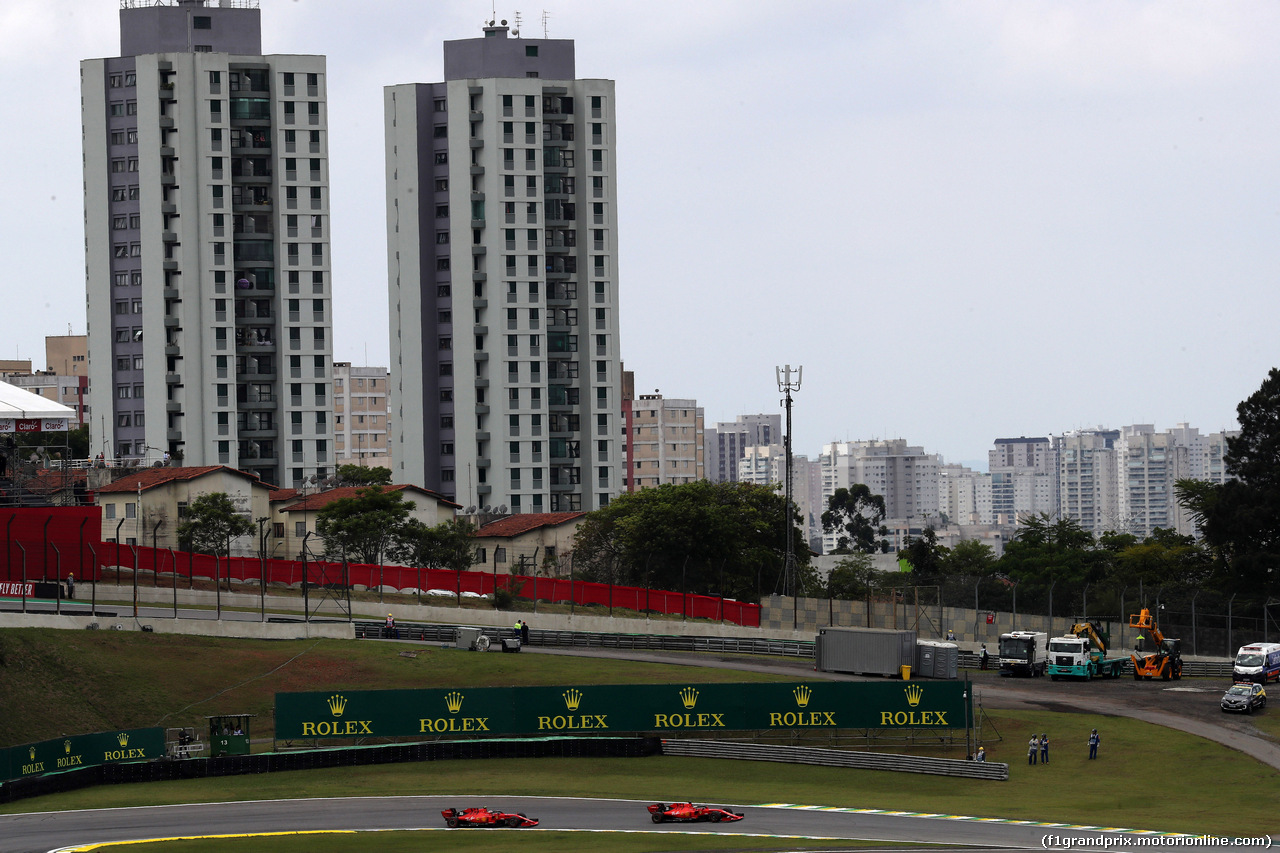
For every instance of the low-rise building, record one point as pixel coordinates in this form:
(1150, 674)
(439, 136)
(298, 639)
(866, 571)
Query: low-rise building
(294, 513)
(523, 544)
(145, 506)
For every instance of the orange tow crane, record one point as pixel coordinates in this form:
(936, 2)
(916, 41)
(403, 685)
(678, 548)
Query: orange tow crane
(1156, 655)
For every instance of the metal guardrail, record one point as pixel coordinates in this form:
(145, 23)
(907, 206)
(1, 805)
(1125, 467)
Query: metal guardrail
(837, 758)
(430, 633)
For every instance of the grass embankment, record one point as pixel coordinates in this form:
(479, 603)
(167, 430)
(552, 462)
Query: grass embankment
(61, 681)
(56, 683)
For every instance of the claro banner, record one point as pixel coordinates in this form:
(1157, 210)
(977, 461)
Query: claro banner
(605, 709)
(76, 751)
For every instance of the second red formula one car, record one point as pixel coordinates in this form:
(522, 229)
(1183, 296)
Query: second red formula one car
(486, 817)
(688, 812)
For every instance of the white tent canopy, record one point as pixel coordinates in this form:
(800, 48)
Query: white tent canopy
(20, 404)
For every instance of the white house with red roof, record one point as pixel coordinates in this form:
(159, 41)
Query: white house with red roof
(293, 515)
(146, 506)
(521, 543)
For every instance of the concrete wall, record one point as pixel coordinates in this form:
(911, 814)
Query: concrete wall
(931, 622)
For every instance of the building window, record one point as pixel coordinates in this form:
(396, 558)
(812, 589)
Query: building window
(202, 22)
(441, 105)
(440, 131)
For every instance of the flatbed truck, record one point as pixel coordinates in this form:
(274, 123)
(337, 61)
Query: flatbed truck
(1082, 653)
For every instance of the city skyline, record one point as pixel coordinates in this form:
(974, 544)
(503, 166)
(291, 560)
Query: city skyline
(1044, 218)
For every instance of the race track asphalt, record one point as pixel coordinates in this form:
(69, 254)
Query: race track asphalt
(39, 833)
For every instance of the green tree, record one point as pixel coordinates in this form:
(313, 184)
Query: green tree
(852, 578)
(969, 558)
(924, 554)
(1240, 519)
(694, 533)
(447, 545)
(856, 514)
(1164, 559)
(1052, 557)
(363, 528)
(211, 523)
(358, 475)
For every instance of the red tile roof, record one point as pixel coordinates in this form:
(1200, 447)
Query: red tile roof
(514, 525)
(315, 501)
(282, 495)
(149, 478)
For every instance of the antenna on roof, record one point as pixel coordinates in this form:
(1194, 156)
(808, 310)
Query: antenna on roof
(515, 31)
(546, 16)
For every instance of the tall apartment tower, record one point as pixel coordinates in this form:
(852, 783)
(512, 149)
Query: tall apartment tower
(502, 267)
(1024, 478)
(905, 476)
(1148, 467)
(1087, 481)
(207, 244)
(726, 444)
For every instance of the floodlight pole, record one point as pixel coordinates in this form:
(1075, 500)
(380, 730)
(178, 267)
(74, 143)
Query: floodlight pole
(786, 385)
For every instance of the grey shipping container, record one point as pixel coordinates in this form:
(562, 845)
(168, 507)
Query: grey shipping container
(937, 659)
(870, 651)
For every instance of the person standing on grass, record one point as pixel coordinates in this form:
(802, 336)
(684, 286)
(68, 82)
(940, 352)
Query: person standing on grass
(1033, 747)
(1094, 740)
(1044, 748)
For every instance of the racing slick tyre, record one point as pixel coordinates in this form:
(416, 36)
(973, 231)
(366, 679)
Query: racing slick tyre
(452, 823)
(657, 818)
(714, 817)
(513, 822)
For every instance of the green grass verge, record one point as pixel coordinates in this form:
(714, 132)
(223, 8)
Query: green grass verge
(483, 841)
(56, 683)
(1203, 787)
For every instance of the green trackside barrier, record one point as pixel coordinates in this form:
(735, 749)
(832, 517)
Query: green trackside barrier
(665, 709)
(76, 751)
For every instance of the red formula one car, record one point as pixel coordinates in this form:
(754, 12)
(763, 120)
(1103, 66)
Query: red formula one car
(486, 817)
(688, 812)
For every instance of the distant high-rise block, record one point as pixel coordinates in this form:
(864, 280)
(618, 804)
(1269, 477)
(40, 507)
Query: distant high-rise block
(207, 244)
(503, 278)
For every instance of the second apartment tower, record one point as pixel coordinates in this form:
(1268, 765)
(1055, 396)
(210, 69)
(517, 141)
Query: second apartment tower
(502, 265)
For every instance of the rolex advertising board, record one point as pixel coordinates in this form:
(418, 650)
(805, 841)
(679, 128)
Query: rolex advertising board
(605, 709)
(76, 751)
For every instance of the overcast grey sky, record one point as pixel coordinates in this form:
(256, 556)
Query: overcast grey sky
(966, 219)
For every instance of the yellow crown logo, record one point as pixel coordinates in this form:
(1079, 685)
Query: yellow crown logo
(453, 701)
(66, 747)
(123, 738)
(914, 692)
(337, 704)
(689, 696)
(802, 695)
(32, 752)
(572, 698)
